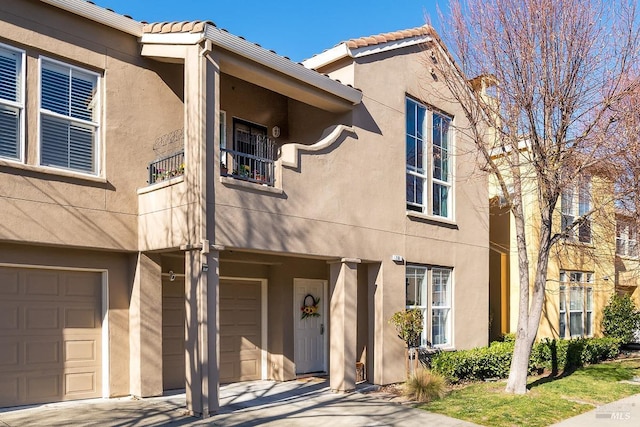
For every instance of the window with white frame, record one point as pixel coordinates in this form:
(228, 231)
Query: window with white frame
(69, 117)
(223, 142)
(429, 289)
(428, 161)
(11, 102)
(574, 203)
(626, 239)
(576, 304)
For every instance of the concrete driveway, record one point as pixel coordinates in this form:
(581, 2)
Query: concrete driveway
(294, 403)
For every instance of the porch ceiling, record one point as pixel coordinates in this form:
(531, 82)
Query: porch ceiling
(260, 75)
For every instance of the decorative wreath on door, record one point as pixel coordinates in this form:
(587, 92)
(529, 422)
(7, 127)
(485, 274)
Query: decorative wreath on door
(310, 306)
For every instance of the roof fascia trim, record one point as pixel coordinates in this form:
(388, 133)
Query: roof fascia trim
(392, 45)
(172, 38)
(278, 63)
(99, 14)
(327, 57)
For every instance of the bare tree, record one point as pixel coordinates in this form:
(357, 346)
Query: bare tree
(550, 75)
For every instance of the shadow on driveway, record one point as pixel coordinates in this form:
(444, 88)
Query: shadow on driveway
(293, 403)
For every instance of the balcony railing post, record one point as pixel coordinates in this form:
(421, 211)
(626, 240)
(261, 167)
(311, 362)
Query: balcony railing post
(253, 160)
(166, 168)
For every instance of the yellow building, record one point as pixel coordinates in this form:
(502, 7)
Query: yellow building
(581, 274)
(627, 261)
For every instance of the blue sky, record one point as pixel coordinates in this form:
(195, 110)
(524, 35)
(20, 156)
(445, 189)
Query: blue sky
(297, 29)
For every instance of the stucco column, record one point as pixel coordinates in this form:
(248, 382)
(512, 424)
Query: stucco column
(343, 324)
(201, 332)
(201, 258)
(145, 328)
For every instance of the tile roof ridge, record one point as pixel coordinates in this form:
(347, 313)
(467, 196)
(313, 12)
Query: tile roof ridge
(166, 27)
(375, 39)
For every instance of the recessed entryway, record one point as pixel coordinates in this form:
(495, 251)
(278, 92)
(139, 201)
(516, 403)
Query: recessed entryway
(310, 325)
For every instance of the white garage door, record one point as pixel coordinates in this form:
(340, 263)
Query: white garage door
(50, 335)
(240, 330)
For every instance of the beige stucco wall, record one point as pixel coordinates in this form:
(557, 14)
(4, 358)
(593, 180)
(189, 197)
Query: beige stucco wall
(349, 201)
(141, 101)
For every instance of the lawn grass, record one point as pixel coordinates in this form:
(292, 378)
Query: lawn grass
(548, 401)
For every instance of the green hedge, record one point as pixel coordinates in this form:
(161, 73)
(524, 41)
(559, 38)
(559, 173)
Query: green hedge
(475, 364)
(571, 354)
(494, 361)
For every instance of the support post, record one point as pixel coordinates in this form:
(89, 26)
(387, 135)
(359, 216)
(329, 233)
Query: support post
(145, 328)
(343, 324)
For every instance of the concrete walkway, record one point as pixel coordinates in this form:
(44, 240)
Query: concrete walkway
(622, 413)
(293, 403)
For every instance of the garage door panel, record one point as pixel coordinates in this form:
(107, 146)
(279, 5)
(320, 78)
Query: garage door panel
(50, 342)
(41, 351)
(9, 317)
(9, 389)
(39, 318)
(9, 354)
(80, 384)
(43, 387)
(75, 285)
(77, 317)
(38, 283)
(80, 351)
(9, 281)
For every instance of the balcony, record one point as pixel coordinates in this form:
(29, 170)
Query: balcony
(166, 168)
(252, 159)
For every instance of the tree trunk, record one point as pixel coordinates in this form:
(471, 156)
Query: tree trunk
(529, 316)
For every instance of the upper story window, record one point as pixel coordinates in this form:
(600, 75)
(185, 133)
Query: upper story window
(69, 117)
(430, 290)
(11, 102)
(576, 202)
(579, 302)
(428, 160)
(626, 239)
(252, 154)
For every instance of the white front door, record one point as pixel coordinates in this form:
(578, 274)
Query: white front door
(310, 325)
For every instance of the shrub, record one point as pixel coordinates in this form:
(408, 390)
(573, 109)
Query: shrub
(621, 318)
(475, 364)
(408, 324)
(425, 386)
(494, 361)
(570, 354)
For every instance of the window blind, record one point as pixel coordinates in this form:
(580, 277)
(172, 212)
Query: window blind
(10, 103)
(68, 126)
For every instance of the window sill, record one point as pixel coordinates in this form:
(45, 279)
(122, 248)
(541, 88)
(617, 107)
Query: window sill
(162, 184)
(431, 218)
(52, 171)
(588, 245)
(628, 257)
(237, 183)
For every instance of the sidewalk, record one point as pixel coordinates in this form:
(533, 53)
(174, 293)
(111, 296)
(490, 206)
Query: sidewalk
(293, 403)
(621, 413)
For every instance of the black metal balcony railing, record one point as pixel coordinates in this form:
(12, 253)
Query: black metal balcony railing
(166, 168)
(254, 162)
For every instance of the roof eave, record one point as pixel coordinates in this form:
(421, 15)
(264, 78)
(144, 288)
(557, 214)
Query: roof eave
(329, 56)
(280, 64)
(99, 14)
(342, 50)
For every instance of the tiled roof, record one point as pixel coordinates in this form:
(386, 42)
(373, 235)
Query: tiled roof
(175, 27)
(389, 37)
